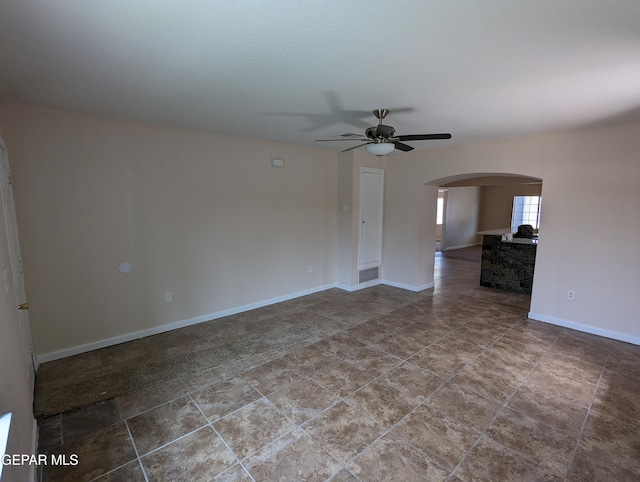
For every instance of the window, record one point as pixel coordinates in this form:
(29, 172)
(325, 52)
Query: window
(526, 210)
(440, 210)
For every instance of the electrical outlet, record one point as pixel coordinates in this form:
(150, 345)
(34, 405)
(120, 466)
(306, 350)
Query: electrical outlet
(168, 297)
(571, 295)
(310, 269)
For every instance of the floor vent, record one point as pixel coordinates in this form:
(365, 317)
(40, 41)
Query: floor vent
(368, 275)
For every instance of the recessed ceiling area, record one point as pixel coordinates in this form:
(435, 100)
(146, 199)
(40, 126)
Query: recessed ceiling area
(491, 180)
(293, 72)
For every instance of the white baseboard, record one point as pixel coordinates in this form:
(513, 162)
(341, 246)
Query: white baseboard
(56, 355)
(408, 287)
(361, 286)
(76, 350)
(585, 328)
(451, 248)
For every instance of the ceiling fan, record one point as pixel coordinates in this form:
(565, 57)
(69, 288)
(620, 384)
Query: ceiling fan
(381, 139)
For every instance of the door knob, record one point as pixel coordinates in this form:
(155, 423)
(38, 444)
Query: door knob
(23, 306)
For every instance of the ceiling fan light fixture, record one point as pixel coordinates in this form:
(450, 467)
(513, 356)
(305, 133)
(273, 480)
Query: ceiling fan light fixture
(380, 149)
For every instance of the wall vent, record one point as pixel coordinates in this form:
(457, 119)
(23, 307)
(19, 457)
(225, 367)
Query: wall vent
(368, 274)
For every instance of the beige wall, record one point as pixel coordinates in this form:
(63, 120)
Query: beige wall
(591, 194)
(206, 217)
(496, 203)
(462, 214)
(202, 215)
(15, 392)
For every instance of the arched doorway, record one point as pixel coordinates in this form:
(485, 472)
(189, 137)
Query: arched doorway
(477, 204)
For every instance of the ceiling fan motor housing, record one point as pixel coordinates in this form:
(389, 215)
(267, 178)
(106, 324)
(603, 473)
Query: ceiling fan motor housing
(380, 133)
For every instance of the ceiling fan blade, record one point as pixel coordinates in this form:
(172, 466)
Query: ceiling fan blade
(355, 147)
(423, 137)
(338, 140)
(402, 147)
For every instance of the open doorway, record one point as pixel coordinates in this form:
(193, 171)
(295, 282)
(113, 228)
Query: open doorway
(471, 206)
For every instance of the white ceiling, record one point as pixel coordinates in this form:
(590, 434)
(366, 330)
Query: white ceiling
(294, 71)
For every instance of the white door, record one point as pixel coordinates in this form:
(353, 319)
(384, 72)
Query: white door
(13, 275)
(371, 193)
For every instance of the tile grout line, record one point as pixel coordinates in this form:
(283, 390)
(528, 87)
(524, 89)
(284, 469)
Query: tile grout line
(110, 471)
(190, 392)
(210, 424)
(144, 472)
(506, 405)
(586, 418)
(402, 361)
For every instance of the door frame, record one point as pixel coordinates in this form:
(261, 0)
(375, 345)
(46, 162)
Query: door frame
(443, 230)
(380, 173)
(17, 272)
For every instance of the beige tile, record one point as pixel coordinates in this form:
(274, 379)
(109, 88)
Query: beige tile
(400, 345)
(136, 402)
(274, 461)
(234, 474)
(370, 360)
(413, 382)
(618, 395)
(132, 472)
(310, 359)
(574, 346)
(624, 358)
(165, 423)
(490, 461)
(339, 344)
(446, 357)
(222, 398)
(478, 334)
(425, 333)
(391, 459)
(371, 331)
(271, 376)
(617, 383)
(199, 380)
(343, 431)
(465, 405)
(341, 378)
(302, 400)
(551, 405)
(98, 453)
(595, 464)
(510, 349)
(252, 427)
(558, 386)
(443, 438)
(533, 438)
(559, 367)
(382, 402)
(554, 409)
(610, 433)
(344, 476)
(197, 457)
(488, 380)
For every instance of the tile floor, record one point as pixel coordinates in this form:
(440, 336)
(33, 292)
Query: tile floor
(453, 383)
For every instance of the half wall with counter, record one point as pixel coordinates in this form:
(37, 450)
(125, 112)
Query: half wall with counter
(507, 262)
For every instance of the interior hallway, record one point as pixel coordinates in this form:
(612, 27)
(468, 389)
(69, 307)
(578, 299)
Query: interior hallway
(453, 383)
